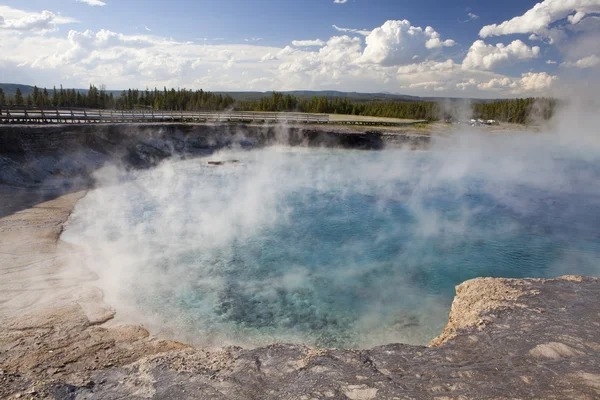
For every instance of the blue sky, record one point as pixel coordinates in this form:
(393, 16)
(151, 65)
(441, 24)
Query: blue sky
(252, 44)
(280, 23)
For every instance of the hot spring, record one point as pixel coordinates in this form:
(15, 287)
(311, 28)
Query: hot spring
(335, 248)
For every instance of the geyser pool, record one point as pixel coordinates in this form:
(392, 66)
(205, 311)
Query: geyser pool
(333, 247)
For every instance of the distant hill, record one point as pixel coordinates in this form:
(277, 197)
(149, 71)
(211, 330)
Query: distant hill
(11, 88)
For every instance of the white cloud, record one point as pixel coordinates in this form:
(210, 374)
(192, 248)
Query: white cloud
(464, 85)
(268, 57)
(31, 22)
(308, 43)
(536, 82)
(533, 37)
(539, 18)
(397, 42)
(93, 2)
(340, 1)
(586, 62)
(342, 62)
(530, 83)
(472, 16)
(484, 56)
(253, 39)
(286, 51)
(428, 66)
(338, 53)
(148, 29)
(551, 62)
(436, 86)
(363, 32)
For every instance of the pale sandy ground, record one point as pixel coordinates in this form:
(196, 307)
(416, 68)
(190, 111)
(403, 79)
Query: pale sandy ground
(48, 300)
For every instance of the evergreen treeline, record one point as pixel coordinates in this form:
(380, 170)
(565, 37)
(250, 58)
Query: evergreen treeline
(392, 109)
(172, 100)
(513, 110)
(516, 110)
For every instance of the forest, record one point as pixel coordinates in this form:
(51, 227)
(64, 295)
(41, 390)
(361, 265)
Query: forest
(512, 110)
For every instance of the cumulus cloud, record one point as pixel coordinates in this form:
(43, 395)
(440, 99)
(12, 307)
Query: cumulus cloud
(540, 81)
(93, 2)
(28, 22)
(551, 62)
(530, 82)
(486, 56)
(539, 18)
(268, 57)
(464, 85)
(340, 1)
(363, 32)
(83, 43)
(396, 57)
(585, 62)
(397, 42)
(436, 86)
(429, 66)
(308, 43)
(338, 53)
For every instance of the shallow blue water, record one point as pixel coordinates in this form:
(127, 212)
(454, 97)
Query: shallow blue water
(333, 247)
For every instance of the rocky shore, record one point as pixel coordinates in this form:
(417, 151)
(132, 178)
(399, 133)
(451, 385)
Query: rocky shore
(67, 155)
(505, 339)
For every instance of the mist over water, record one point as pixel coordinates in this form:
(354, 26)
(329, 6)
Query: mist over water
(337, 247)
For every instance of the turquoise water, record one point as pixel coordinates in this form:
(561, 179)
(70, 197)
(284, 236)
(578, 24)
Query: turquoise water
(334, 247)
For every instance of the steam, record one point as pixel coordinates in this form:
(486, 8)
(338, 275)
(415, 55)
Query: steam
(339, 247)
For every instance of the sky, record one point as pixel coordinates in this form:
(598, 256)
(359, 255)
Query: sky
(476, 48)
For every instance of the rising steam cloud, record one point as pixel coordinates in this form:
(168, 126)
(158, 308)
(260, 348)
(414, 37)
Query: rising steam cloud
(339, 247)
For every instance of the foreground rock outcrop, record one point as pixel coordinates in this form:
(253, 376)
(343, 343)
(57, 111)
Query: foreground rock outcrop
(506, 339)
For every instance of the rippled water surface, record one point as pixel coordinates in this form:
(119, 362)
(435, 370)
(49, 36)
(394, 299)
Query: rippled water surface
(334, 247)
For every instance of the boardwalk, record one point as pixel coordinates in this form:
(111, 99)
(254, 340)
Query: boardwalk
(50, 115)
(35, 115)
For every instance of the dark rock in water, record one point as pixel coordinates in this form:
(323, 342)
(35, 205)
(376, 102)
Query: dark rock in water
(223, 162)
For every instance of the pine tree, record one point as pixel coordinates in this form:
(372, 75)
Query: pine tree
(36, 96)
(19, 97)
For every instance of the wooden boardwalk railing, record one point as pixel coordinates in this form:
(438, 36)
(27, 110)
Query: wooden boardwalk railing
(47, 115)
